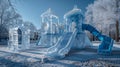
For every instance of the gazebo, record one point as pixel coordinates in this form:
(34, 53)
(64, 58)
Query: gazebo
(50, 29)
(19, 38)
(50, 22)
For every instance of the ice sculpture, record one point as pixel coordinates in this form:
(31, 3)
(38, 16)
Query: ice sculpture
(13, 39)
(19, 38)
(75, 36)
(50, 29)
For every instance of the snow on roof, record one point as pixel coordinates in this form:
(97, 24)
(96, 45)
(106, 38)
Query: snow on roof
(48, 13)
(75, 10)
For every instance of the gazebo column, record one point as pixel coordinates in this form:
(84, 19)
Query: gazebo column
(26, 39)
(13, 40)
(27, 34)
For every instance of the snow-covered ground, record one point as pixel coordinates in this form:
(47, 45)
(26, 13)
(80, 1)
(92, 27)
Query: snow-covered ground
(116, 44)
(76, 58)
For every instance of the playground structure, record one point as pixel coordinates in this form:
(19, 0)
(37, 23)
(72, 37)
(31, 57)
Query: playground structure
(59, 43)
(75, 37)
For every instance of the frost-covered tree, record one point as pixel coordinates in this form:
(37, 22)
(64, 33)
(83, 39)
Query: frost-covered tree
(8, 18)
(7, 12)
(117, 20)
(103, 13)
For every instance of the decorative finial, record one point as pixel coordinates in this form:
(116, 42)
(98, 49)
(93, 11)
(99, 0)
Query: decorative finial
(75, 7)
(49, 10)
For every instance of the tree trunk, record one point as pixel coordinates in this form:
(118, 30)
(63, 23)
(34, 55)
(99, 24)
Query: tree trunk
(117, 31)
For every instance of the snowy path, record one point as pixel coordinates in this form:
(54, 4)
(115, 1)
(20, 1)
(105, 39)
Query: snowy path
(85, 57)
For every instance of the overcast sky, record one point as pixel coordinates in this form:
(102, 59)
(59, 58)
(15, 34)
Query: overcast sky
(32, 9)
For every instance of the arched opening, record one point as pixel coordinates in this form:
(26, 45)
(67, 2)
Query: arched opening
(19, 36)
(4, 36)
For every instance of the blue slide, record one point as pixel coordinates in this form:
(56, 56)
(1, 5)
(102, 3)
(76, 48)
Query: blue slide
(107, 43)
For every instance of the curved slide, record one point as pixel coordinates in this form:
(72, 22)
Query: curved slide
(62, 47)
(107, 43)
(64, 44)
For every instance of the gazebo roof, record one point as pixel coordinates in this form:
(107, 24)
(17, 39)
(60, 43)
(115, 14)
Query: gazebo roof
(75, 10)
(48, 13)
